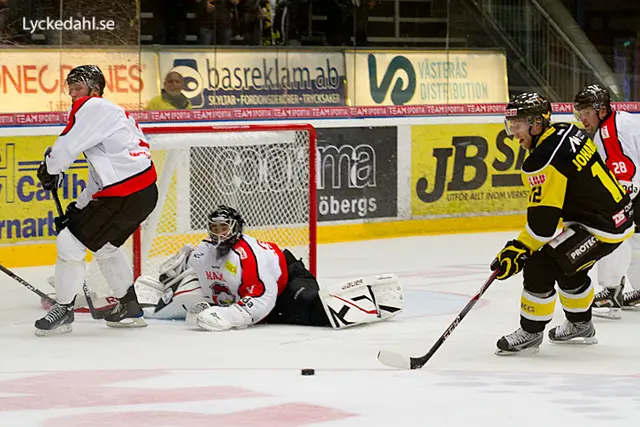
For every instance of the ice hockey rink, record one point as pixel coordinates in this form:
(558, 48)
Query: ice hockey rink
(169, 375)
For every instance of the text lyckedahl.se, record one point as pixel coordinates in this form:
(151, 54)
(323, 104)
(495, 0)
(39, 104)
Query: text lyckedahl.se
(68, 24)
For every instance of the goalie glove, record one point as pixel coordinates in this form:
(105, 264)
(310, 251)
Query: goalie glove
(511, 259)
(219, 319)
(176, 265)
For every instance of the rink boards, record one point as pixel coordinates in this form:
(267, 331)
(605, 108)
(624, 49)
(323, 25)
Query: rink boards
(377, 177)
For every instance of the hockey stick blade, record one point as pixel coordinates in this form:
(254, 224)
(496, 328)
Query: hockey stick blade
(399, 361)
(395, 360)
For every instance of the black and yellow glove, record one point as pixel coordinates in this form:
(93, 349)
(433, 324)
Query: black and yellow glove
(511, 259)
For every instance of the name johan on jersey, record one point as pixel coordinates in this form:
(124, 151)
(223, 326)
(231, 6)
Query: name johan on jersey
(617, 140)
(252, 274)
(115, 148)
(568, 180)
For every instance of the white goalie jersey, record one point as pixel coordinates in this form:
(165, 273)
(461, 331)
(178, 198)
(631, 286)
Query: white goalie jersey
(252, 275)
(248, 279)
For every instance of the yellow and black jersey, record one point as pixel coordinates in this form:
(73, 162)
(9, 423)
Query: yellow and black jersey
(568, 180)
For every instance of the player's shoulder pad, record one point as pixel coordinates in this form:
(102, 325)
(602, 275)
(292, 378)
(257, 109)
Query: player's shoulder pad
(550, 145)
(626, 121)
(242, 247)
(243, 240)
(75, 109)
(82, 102)
(201, 249)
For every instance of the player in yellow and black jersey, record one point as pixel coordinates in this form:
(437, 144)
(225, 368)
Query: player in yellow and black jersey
(568, 181)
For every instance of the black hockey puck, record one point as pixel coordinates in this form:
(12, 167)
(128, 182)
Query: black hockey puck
(307, 372)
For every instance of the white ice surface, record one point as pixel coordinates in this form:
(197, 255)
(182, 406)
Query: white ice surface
(169, 375)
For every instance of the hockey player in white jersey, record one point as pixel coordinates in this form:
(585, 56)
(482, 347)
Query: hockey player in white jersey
(120, 193)
(232, 281)
(617, 136)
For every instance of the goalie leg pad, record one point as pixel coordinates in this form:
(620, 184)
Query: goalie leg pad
(149, 292)
(363, 300)
(177, 299)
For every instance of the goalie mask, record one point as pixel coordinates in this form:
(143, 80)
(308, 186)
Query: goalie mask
(88, 75)
(225, 228)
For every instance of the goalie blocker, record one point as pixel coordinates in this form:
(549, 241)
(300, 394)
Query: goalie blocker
(178, 295)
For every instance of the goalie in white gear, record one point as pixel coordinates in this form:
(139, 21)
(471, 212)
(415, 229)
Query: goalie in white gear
(232, 281)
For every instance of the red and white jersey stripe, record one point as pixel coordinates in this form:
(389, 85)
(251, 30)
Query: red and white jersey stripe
(618, 141)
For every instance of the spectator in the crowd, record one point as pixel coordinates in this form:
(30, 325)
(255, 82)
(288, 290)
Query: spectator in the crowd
(252, 13)
(346, 19)
(270, 35)
(5, 33)
(290, 21)
(171, 97)
(4, 8)
(169, 20)
(214, 19)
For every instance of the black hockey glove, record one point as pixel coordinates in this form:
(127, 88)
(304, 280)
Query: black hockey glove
(61, 222)
(511, 259)
(49, 182)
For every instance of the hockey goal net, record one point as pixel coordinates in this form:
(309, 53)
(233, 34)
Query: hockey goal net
(266, 172)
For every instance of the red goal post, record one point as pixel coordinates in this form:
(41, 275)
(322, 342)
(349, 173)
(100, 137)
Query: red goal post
(266, 171)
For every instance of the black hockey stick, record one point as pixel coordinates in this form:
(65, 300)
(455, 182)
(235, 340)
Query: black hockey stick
(96, 314)
(27, 285)
(400, 361)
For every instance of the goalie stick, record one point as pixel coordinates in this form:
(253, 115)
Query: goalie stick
(96, 314)
(27, 285)
(400, 361)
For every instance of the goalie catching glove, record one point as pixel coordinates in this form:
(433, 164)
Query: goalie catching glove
(511, 259)
(175, 265)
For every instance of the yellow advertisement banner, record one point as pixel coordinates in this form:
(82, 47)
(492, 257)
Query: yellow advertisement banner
(32, 80)
(426, 78)
(465, 170)
(27, 211)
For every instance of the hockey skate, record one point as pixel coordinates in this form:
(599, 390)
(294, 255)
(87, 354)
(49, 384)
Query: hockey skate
(607, 303)
(519, 342)
(57, 321)
(127, 313)
(574, 333)
(631, 300)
